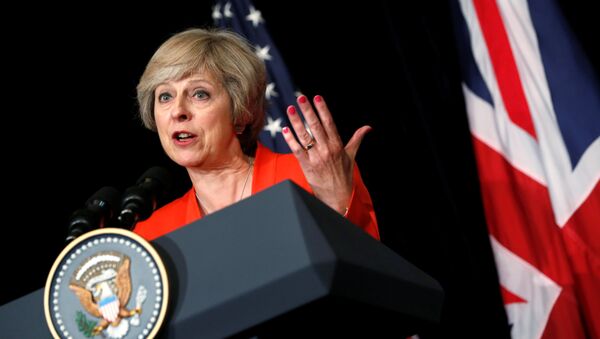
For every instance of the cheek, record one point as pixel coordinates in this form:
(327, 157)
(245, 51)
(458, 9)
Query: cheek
(159, 119)
(162, 134)
(223, 133)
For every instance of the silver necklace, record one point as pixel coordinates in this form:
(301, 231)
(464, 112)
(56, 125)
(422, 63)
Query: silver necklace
(243, 187)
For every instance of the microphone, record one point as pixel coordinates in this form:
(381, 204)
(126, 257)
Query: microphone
(141, 200)
(99, 209)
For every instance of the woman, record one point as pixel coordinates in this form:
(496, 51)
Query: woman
(203, 91)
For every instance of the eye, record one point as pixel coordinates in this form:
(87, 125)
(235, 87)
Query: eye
(164, 97)
(200, 94)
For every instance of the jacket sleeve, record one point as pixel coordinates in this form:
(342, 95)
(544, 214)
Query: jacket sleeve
(360, 209)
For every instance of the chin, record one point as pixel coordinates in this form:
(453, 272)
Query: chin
(187, 162)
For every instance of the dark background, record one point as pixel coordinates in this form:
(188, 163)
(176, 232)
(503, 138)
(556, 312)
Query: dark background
(69, 127)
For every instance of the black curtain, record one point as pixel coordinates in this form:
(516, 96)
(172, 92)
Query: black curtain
(70, 128)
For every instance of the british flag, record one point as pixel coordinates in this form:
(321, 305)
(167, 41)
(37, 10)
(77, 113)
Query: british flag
(534, 114)
(242, 17)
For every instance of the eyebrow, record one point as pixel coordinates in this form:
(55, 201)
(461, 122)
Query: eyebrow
(191, 81)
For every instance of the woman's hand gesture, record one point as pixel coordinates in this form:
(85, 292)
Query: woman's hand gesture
(327, 164)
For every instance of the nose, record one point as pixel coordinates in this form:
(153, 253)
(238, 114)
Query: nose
(180, 110)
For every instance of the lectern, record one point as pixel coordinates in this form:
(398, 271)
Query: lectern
(279, 264)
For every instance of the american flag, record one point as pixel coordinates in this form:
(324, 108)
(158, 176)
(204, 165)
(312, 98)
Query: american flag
(242, 17)
(534, 114)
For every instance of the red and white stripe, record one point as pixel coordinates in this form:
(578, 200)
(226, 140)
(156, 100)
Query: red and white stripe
(110, 311)
(543, 216)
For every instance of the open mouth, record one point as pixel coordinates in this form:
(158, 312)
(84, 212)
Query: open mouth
(183, 136)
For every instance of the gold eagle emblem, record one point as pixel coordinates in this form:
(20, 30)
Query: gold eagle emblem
(103, 285)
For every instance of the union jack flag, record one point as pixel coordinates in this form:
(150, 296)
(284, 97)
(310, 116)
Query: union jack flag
(534, 114)
(242, 17)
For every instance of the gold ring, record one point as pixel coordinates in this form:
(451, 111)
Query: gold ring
(310, 145)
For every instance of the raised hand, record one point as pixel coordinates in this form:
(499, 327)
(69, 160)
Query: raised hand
(327, 164)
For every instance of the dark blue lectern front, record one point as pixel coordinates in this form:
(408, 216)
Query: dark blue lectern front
(277, 265)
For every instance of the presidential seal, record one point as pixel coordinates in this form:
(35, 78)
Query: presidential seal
(108, 283)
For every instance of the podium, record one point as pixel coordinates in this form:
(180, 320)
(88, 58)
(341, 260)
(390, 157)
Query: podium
(279, 264)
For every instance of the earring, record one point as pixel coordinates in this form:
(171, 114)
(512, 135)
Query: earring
(239, 129)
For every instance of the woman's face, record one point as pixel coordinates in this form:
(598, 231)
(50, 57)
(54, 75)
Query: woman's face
(193, 119)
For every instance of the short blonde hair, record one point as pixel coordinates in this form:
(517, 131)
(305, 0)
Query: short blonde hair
(228, 57)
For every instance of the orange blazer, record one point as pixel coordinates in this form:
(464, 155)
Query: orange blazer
(269, 169)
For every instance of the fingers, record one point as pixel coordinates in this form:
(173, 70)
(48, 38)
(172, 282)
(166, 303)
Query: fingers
(327, 124)
(325, 136)
(319, 123)
(312, 121)
(293, 144)
(356, 140)
(303, 136)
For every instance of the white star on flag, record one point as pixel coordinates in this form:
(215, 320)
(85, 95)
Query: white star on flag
(227, 10)
(216, 12)
(255, 17)
(273, 126)
(270, 91)
(263, 52)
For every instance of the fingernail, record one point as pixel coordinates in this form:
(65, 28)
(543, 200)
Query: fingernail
(302, 99)
(318, 98)
(291, 110)
(286, 130)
